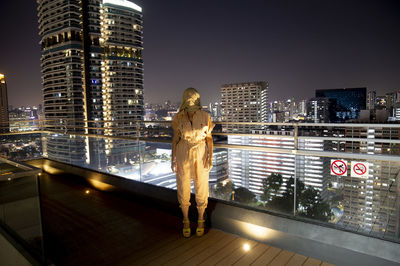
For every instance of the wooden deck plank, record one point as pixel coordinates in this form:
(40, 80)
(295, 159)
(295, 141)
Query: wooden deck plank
(174, 253)
(296, 260)
(326, 264)
(251, 255)
(223, 252)
(188, 254)
(312, 262)
(267, 256)
(282, 258)
(210, 250)
(147, 252)
(159, 252)
(237, 253)
(101, 228)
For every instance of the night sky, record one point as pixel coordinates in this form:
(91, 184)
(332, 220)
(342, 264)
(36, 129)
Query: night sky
(297, 46)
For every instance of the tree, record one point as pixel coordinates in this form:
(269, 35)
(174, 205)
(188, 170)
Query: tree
(312, 205)
(271, 186)
(284, 202)
(243, 195)
(308, 201)
(224, 191)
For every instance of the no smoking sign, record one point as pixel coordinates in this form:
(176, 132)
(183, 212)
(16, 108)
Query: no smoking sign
(339, 167)
(359, 169)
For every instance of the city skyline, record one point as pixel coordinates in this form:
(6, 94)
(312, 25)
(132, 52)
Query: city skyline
(298, 48)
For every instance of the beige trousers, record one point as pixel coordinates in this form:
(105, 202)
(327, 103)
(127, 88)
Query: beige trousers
(190, 164)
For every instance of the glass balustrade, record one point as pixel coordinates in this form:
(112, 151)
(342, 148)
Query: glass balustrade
(19, 205)
(344, 176)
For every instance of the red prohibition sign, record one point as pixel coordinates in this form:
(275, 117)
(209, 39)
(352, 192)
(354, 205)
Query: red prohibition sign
(359, 169)
(337, 164)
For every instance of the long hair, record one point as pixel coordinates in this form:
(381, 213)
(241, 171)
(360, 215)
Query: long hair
(190, 100)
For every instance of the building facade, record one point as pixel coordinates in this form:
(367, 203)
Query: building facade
(321, 110)
(371, 204)
(371, 100)
(244, 102)
(248, 168)
(92, 72)
(4, 120)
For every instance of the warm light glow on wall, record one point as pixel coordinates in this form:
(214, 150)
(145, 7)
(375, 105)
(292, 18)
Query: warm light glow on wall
(100, 185)
(258, 232)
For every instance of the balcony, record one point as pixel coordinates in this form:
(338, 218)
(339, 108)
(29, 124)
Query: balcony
(99, 208)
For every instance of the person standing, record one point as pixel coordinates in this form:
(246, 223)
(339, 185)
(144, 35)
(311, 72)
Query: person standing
(192, 151)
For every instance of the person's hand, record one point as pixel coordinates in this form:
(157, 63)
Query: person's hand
(208, 164)
(174, 167)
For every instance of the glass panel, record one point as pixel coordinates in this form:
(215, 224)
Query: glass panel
(19, 203)
(362, 197)
(254, 178)
(156, 165)
(21, 147)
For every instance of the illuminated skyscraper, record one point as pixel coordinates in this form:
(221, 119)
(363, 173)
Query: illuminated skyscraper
(4, 120)
(92, 73)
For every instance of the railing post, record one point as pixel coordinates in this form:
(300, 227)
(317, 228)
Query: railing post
(296, 132)
(138, 149)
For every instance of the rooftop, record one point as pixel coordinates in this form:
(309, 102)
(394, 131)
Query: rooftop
(126, 212)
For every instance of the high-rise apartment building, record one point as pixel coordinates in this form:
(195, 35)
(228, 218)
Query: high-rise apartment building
(302, 108)
(248, 168)
(4, 120)
(371, 204)
(92, 71)
(244, 102)
(321, 110)
(215, 111)
(391, 100)
(371, 100)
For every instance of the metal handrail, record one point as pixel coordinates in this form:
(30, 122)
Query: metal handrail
(293, 151)
(365, 125)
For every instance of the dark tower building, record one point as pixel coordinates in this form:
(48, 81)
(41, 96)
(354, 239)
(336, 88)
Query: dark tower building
(349, 102)
(4, 121)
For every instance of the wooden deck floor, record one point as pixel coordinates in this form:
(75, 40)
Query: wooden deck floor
(99, 228)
